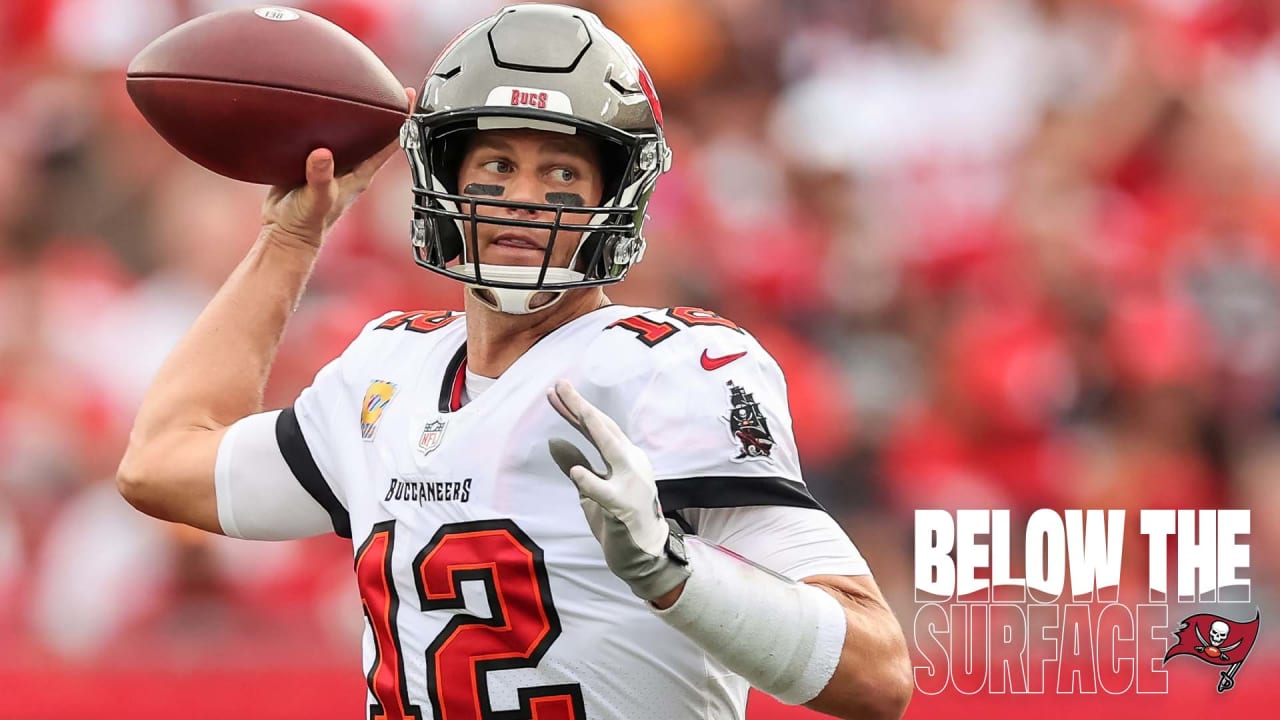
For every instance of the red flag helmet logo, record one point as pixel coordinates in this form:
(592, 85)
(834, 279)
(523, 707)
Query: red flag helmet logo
(1217, 641)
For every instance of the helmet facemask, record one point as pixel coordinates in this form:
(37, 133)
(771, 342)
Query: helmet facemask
(446, 222)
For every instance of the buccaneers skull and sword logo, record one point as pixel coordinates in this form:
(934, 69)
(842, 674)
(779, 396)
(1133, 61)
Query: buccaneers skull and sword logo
(1218, 641)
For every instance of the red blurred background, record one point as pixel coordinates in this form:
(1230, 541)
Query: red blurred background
(1010, 253)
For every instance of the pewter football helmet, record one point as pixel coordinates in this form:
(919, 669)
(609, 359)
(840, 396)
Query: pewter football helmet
(544, 67)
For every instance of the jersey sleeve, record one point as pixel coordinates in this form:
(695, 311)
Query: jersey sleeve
(302, 433)
(795, 542)
(714, 422)
(277, 473)
(258, 496)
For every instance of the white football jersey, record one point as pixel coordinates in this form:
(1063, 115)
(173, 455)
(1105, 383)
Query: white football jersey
(484, 591)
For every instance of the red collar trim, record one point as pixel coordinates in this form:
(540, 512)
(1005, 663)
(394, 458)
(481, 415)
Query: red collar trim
(459, 383)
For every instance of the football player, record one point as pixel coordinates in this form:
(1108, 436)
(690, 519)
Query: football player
(681, 560)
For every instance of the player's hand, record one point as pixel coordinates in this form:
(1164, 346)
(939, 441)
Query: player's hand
(305, 213)
(622, 506)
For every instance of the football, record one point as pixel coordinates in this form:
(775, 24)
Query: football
(249, 93)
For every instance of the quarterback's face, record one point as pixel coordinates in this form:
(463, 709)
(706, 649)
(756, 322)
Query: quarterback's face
(531, 166)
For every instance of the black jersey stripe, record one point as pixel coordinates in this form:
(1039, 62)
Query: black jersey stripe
(730, 492)
(298, 455)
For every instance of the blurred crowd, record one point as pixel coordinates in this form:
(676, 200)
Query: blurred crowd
(1009, 253)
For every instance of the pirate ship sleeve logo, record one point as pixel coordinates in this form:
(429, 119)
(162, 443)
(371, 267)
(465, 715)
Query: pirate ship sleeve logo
(748, 425)
(1217, 641)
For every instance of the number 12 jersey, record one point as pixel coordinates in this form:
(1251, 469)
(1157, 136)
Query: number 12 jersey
(484, 592)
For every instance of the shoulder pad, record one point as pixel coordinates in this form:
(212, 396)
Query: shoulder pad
(687, 342)
(398, 329)
(417, 321)
(654, 327)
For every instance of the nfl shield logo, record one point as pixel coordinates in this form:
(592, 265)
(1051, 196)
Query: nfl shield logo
(431, 434)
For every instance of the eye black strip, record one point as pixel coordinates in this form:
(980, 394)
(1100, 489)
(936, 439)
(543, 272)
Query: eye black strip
(566, 198)
(481, 189)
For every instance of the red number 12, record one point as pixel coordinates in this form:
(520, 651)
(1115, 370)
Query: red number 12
(522, 627)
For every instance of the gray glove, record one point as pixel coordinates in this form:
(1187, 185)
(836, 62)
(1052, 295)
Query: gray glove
(622, 507)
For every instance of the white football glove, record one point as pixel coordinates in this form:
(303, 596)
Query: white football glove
(622, 507)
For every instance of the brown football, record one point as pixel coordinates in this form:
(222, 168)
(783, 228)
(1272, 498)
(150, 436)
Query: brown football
(249, 93)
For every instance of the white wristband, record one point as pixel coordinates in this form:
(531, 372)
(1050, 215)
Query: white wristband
(783, 637)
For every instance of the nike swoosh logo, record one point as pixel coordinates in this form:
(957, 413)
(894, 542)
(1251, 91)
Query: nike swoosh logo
(709, 363)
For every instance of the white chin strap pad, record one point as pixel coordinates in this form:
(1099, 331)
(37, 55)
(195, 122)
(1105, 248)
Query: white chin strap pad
(512, 301)
(516, 301)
